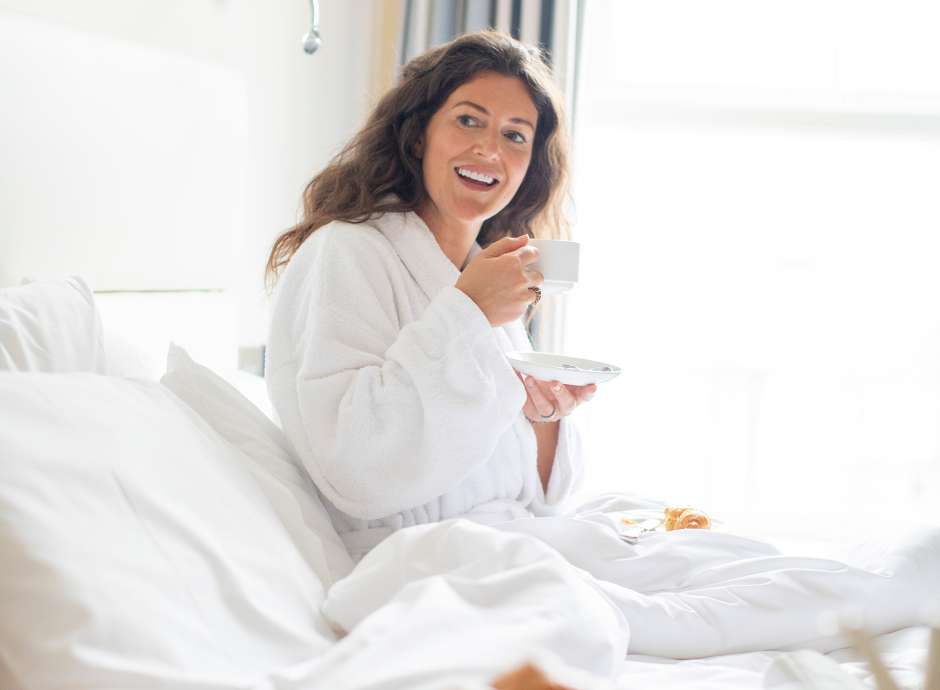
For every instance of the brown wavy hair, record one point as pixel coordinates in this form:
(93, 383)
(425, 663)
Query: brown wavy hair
(378, 170)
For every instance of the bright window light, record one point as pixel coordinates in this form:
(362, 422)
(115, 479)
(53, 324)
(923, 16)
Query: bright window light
(757, 191)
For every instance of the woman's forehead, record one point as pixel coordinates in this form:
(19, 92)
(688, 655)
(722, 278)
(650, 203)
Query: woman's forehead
(498, 94)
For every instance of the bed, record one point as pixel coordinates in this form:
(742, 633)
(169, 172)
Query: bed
(161, 533)
(156, 528)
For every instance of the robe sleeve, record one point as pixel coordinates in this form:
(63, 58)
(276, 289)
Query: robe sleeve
(395, 416)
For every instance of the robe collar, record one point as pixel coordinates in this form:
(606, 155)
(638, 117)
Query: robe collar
(419, 251)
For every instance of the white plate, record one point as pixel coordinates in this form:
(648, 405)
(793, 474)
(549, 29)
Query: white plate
(572, 371)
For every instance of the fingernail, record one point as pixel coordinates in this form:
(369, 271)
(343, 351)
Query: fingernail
(556, 387)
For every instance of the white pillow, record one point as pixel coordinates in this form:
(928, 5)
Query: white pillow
(50, 326)
(278, 470)
(138, 547)
(253, 387)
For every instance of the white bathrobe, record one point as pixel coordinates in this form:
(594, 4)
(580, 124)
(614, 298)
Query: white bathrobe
(394, 389)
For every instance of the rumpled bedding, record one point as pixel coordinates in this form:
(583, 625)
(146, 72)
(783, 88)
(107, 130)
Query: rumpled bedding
(455, 604)
(473, 601)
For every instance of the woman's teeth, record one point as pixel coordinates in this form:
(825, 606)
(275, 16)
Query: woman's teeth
(476, 177)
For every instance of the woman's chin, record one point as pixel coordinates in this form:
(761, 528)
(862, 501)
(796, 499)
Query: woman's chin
(476, 211)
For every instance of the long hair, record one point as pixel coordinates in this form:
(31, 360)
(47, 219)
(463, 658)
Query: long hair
(378, 170)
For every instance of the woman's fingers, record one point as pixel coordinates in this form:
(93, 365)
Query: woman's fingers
(528, 408)
(564, 397)
(526, 254)
(534, 277)
(583, 393)
(551, 399)
(545, 406)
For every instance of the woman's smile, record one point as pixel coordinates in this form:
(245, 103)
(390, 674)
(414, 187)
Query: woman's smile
(475, 179)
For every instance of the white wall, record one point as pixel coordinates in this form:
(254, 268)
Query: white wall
(303, 109)
(299, 108)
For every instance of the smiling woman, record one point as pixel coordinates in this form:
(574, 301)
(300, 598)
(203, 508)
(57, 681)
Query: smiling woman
(404, 289)
(381, 170)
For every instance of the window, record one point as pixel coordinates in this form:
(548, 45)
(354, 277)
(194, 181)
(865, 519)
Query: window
(757, 189)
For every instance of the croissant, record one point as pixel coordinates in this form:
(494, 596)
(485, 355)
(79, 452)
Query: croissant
(526, 677)
(685, 518)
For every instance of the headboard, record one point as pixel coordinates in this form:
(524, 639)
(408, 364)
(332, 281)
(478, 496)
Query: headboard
(124, 163)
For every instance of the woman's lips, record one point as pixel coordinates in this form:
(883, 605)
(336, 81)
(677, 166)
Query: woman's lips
(476, 185)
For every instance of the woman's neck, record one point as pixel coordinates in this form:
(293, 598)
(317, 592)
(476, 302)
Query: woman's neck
(454, 238)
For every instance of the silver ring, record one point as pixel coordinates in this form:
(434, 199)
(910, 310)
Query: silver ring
(538, 295)
(550, 414)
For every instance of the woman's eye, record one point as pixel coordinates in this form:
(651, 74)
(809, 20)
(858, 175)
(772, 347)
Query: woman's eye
(468, 120)
(515, 137)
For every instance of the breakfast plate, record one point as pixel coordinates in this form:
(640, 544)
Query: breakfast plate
(633, 524)
(572, 371)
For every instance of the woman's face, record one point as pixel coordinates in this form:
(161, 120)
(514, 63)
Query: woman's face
(477, 147)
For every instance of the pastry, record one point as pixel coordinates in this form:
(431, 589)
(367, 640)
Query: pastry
(685, 518)
(527, 677)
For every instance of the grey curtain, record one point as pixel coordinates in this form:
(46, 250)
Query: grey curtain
(428, 23)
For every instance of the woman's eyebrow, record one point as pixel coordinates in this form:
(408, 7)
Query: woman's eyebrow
(517, 120)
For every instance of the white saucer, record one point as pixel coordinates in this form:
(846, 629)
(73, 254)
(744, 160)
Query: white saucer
(556, 287)
(551, 367)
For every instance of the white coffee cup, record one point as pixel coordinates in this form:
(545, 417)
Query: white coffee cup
(558, 263)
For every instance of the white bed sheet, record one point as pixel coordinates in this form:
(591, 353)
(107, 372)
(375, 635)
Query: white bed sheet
(904, 653)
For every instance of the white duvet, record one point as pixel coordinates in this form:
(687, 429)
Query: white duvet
(454, 604)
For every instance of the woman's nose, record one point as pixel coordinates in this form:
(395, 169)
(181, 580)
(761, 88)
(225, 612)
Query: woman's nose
(487, 145)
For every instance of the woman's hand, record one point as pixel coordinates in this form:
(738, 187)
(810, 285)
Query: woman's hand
(549, 401)
(498, 281)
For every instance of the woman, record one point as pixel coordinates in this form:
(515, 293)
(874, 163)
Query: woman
(403, 289)
(385, 356)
